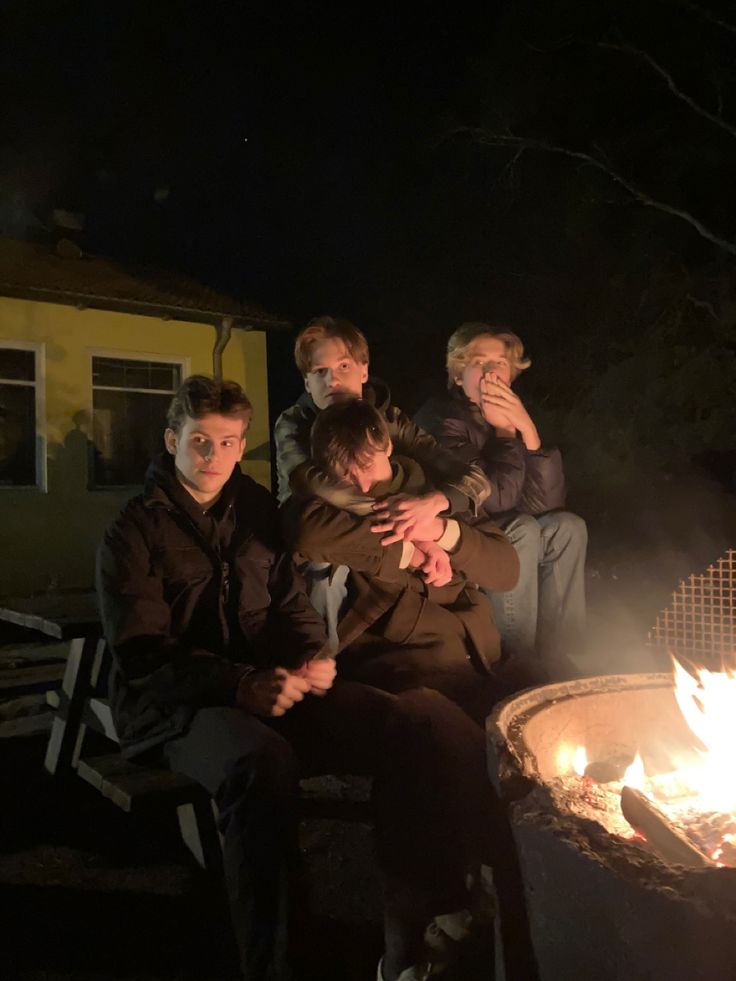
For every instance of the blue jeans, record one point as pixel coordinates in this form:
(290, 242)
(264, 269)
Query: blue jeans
(542, 620)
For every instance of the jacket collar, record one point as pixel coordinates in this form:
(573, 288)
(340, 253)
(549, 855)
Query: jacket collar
(375, 391)
(163, 489)
(460, 398)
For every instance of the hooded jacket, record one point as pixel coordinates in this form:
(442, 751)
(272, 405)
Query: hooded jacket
(463, 484)
(192, 600)
(522, 481)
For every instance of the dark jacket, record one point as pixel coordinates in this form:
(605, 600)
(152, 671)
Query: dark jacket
(522, 481)
(463, 484)
(191, 601)
(483, 559)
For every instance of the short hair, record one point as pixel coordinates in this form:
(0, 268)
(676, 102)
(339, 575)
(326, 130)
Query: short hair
(321, 328)
(348, 434)
(463, 337)
(200, 395)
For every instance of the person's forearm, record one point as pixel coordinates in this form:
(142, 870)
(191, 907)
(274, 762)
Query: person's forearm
(529, 436)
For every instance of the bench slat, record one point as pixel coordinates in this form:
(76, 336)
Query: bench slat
(132, 786)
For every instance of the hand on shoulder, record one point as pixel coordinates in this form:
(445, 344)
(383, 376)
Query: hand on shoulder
(401, 517)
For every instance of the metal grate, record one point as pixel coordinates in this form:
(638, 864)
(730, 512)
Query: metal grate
(700, 623)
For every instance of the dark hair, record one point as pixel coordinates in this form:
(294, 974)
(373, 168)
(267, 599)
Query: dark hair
(320, 329)
(347, 434)
(200, 395)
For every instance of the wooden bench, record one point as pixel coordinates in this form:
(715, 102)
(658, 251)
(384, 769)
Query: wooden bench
(134, 787)
(80, 705)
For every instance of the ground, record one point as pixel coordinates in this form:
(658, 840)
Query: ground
(89, 892)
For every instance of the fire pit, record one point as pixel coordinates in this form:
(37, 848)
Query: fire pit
(602, 902)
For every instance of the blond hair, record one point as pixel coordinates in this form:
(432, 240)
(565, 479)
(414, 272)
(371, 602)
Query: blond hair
(458, 349)
(320, 329)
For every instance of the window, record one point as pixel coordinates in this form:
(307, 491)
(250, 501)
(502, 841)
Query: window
(19, 452)
(129, 403)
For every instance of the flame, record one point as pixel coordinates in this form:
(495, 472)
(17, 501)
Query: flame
(635, 777)
(699, 793)
(708, 705)
(580, 761)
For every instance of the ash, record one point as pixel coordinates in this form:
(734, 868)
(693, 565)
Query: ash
(592, 801)
(712, 832)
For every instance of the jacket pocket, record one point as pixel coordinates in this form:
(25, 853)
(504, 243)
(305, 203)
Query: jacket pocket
(184, 565)
(475, 612)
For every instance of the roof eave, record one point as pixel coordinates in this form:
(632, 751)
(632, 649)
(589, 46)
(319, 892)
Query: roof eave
(159, 310)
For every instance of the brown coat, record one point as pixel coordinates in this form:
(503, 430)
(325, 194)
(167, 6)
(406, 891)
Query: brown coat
(398, 598)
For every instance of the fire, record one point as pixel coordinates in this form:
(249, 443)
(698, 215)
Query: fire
(570, 760)
(698, 794)
(635, 776)
(708, 705)
(580, 761)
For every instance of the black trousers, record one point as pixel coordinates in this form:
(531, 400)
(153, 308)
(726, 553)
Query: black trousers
(431, 798)
(437, 654)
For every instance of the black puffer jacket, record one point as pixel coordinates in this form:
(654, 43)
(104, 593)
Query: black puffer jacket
(191, 601)
(522, 481)
(463, 485)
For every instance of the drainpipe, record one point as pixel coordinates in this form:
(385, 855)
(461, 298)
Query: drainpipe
(224, 330)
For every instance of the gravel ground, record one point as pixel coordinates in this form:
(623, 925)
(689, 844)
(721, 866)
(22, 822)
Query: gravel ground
(89, 892)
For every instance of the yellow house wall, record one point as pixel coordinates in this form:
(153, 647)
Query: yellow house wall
(48, 539)
(244, 360)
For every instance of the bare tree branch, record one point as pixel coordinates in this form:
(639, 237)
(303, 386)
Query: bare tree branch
(509, 167)
(486, 138)
(703, 305)
(717, 120)
(707, 15)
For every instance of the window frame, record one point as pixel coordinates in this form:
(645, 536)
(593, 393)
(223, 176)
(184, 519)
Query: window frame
(41, 429)
(184, 362)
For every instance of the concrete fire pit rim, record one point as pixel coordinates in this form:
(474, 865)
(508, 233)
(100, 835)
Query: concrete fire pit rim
(509, 768)
(524, 703)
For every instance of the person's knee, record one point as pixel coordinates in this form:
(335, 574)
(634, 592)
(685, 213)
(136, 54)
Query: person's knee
(524, 534)
(267, 768)
(434, 711)
(571, 528)
(417, 700)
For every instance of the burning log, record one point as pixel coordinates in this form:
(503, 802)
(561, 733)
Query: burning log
(669, 843)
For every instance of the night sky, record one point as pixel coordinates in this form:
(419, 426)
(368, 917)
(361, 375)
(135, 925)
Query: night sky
(307, 158)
